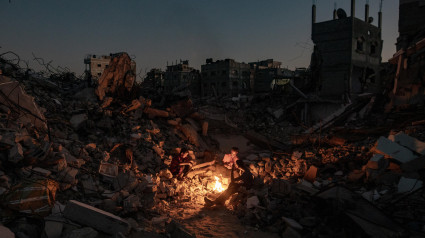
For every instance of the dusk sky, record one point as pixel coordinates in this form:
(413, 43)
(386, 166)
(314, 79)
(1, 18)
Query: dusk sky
(157, 31)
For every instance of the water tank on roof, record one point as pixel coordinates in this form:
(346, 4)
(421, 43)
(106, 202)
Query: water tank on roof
(341, 13)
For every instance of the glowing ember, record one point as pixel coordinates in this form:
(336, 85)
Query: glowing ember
(218, 186)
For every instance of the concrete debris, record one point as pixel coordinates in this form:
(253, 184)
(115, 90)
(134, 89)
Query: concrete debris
(252, 202)
(409, 185)
(86, 232)
(409, 142)
(36, 197)
(394, 150)
(6, 233)
(16, 154)
(53, 229)
(117, 79)
(292, 223)
(14, 95)
(113, 152)
(100, 220)
(77, 120)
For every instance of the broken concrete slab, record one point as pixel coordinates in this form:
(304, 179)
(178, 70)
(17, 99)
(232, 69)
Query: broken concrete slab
(77, 120)
(364, 212)
(409, 142)
(252, 202)
(394, 150)
(6, 232)
(16, 153)
(376, 157)
(292, 223)
(409, 185)
(32, 197)
(118, 78)
(41, 171)
(290, 233)
(311, 174)
(86, 232)
(108, 170)
(100, 220)
(53, 229)
(16, 97)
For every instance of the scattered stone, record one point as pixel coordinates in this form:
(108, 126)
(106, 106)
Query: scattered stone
(86, 232)
(409, 185)
(100, 220)
(6, 233)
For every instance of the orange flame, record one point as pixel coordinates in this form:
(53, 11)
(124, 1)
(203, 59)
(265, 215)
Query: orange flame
(218, 186)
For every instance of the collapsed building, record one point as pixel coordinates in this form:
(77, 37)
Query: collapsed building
(408, 62)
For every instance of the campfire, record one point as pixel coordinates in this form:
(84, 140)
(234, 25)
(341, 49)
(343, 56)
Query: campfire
(218, 187)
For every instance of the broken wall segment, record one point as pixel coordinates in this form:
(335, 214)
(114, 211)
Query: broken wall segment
(100, 220)
(37, 197)
(117, 79)
(13, 95)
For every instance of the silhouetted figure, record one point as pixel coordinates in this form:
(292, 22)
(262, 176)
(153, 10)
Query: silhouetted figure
(245, 180)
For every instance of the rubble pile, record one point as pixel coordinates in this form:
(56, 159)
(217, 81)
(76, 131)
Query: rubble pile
(77, 161)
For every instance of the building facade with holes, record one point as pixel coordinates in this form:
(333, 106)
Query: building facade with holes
(347, 54)
(225, 78)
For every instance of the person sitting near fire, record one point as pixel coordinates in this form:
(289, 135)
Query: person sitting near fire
(181, 164)
(230, 159)
(245, 180)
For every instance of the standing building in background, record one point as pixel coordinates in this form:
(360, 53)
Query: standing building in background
(224, 78)
(181, 76)
(95, 64)
(266, 72)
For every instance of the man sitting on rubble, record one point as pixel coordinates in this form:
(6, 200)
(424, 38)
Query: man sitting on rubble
(245, 180)
(180, 164)
(230, 159)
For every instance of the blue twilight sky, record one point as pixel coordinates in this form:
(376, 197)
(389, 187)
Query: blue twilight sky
(157, 31)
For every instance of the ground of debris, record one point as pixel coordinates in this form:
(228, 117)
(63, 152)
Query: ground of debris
(78, 160)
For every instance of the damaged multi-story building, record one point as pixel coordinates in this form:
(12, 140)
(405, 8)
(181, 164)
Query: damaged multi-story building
(154, 78)
(346, 58)
(96, 64)
(409, 60)
(224, 78)
(266, 73)
(180, 76)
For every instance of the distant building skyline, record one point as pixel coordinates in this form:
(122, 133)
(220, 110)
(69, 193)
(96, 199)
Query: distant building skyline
(157, 32)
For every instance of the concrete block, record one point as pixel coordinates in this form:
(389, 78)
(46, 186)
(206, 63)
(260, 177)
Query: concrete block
(311, 173)
(394, 150)
(100, 220)
(409, 142)
(86, 232)
(16, 153)
(409, 185)
(53, 229)
(42, 171)
(292, 223)
(252, 202)
(6, 233)
(77, 120)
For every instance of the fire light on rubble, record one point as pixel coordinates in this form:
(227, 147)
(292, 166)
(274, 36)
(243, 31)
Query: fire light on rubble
(218, 186)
